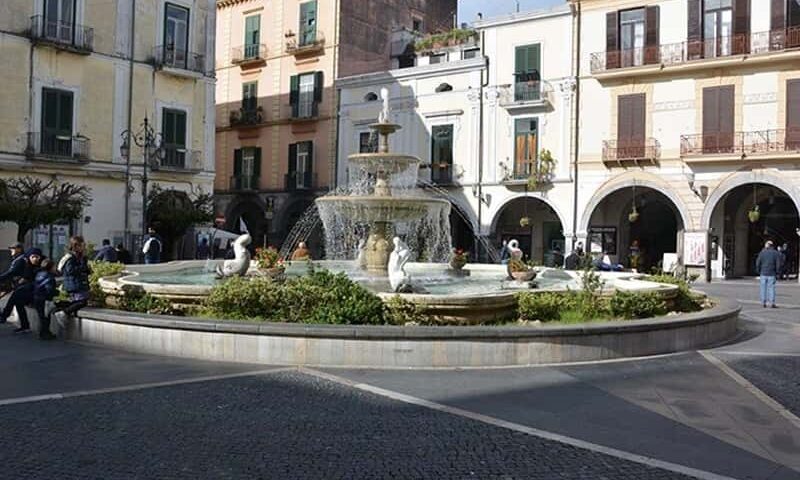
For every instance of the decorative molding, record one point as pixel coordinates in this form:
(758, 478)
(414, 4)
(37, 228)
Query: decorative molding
(756, 98)
(673, 106)
(444, 113)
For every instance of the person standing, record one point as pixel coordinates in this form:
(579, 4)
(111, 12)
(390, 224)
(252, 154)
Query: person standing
(505, 255)
(203, 250)
(123, 255)
(152, 247)
(23, 293)
(558, 258)
(768, 264)
(106, 253)
(44, 290)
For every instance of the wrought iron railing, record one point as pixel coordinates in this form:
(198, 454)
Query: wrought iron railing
(249, 53)
(682, 52)
(76, 37)
(167, 56)
(742, 143)
(644, 149)
(305, 109)
(58, 146)
(244, 182)
(305, 42)
(526, 89)
(176, 157)
(245, 117)
(301, 181)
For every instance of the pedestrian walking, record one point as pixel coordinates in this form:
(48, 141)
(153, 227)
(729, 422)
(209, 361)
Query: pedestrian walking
(505, 254)
(44, 290)
(107, 253)
(23, 292)
(76, 271)
(152, 247)
(768, 264)
(203, 250)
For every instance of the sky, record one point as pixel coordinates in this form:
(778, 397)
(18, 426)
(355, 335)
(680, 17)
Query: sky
(468, 9)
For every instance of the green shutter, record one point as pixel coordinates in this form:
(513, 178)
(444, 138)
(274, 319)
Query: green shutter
(528, 59)
(318, 86)
(49, 109)
(237, 162)
(257, 163)
(168, 128)
(294, 94)
(520, 60)
(292, 158)
(180, 129)
(310, 158)
(252, 30)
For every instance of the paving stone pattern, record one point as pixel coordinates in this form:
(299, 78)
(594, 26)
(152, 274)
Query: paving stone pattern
(284, 426)
(778, 377)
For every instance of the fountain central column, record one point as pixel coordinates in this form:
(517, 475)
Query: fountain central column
(378, 246)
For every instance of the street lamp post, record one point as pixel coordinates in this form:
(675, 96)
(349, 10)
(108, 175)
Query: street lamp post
(149, 141)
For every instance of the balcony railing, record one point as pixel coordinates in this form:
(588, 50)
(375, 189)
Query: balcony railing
(683, 52)
(306, 110)
(442, 173)
(72, 36)
(301, 181)
(245, 54)
(47, 145)
(244, 182)
(526, 89)
(742, 143)
(634, 150)
(246, 117)
(304, 43)
(179, 158)
(166, 56)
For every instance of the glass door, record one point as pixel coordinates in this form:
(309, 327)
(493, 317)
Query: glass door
(59, 20)
(632, 33)
(718, 28)
(176, 36)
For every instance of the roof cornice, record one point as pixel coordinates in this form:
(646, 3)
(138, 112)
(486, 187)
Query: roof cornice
(230, 3)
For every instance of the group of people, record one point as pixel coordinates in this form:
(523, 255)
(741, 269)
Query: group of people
(575, 260)
(31, 281)
(151, 250)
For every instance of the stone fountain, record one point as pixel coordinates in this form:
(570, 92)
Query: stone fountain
(383, 194)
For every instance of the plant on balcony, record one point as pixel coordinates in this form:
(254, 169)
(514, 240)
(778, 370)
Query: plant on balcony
(436, 41)
(754, 215)
(543, 173)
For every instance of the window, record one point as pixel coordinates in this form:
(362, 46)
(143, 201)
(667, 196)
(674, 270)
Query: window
(416, 24)
(445, 87)
(527, 73)
(470, 53)
(56, 138)
(301, 158)
(632, 33)
(435, 59)
(306, 94)
(525, 147)
(793, 20)
(631, 123)
(246, 168)
(308, 23)
(176, 36)
(249, 96)
(718, 112)
(603, 239)
(59, 20)
(442, 154)
(371, 97)
(252, 36)
(174, 138)
(367, 143)
(718, 27)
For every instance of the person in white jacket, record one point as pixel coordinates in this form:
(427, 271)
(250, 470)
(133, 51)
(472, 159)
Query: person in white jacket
(152, 247)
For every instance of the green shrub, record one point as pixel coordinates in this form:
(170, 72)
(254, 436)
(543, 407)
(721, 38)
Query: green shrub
(241, 299)
(685, 300)
(544, 306)
(135, 299)
(399, 311)
(630, 305)
(101, 269)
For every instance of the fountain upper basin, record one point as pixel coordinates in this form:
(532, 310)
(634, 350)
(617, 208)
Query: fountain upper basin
(384, 162)
(385, 209)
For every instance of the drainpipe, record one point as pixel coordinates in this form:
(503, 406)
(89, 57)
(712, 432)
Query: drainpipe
(576, 14)
(127, 239)
(484, 84)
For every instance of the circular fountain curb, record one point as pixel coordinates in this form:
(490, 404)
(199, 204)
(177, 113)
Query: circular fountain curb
(403, 347)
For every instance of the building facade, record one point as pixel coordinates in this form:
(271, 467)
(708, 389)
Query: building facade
(491, 119)
(84, 72)
(689, 131)
(276, 103)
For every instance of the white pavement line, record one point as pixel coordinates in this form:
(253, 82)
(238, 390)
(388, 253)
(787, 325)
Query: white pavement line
(632, 457)
(756, 354)
(138, 386)
(777, 407)
(780, 306)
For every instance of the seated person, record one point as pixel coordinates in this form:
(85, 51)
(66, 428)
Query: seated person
(44, 290)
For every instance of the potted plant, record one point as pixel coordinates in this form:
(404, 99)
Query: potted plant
(524, 222)
(458, 259)
(542, 176)
(268, 262)
(633, 217)
(754, 215)
(520, 271)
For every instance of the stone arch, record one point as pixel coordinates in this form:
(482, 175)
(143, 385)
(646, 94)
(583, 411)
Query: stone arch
(510, 199)
(738, 179)
(628, 181)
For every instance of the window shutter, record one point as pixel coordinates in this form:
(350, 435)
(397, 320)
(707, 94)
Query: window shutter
(292, 158)
(65, 113)
(180, 129)
(318, 86)
(778, 25)
(726, 109)
(237, 162)
(652, 51)
(520, 60)
(535, 61)
(710, 111)
(741, 27)
(310, 158)
(168, 128)
(612, 40)
(694, 29)
(638, 118)
(294, 95)
(257, 164)
(793, 114)
(49, 109)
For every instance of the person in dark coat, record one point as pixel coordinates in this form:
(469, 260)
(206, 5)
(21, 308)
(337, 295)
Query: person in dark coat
(23, 292)
(75, 269)
(107, 253)
(768, 265)
(574, 259)
(44, 290)
(558, 258)
(123, 255)
(8, 279)
(203, 250)
(152, 247)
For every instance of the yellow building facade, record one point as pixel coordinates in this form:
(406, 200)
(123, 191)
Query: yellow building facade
(77, 74)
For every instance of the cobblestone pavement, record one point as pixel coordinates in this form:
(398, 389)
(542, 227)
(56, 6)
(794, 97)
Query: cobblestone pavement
(284, 425)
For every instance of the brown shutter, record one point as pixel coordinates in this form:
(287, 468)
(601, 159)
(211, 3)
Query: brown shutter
(612, 40)
(631, 126)
(777, 35)
(652, 48)
(718, 118)
(710, 119)
(741, 27)
(793, 114)
(694, 30)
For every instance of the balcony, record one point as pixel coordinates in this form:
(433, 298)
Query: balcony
(306, 110)
(774, 144)
(305, 44)
(442, 173)
(249, 56)
(299, 181)
(65, 36)
(244, 183)
(178, 62)
(635, 151)
(246, 117)
(179, 159)
(525, 93)
(520, 174)
(694, 55)
(64, 148)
